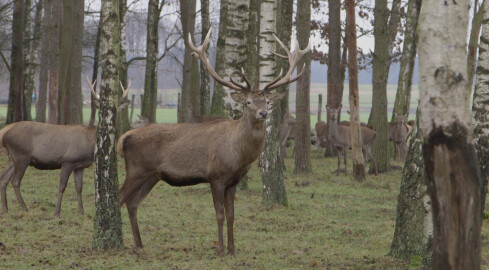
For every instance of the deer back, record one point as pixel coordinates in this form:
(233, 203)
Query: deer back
(47, 145)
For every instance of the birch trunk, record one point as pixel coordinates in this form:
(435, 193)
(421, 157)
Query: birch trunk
(454, 182)
(474, 45)
(107, 221)
(356, 135)
(414, 221)
(269, 161)
(479, 108)
(406, 70)
(303, 111)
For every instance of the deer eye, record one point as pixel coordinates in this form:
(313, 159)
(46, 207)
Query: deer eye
(268, 102)
(248, 102)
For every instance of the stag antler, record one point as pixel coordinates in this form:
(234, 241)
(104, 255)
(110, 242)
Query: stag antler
(200, 53)
(96, 97)
(293, 59)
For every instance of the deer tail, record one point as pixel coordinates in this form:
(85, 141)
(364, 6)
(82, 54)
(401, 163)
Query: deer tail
(3, 132)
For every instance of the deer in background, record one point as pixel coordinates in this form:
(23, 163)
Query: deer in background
(321, 135)
(142, 121)
(340, 136)
(192, 118)
(287, 131)
(49, 147)
(399, 132)
(219, 152)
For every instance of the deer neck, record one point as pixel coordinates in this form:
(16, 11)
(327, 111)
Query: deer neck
(334, 133)
(250, 137)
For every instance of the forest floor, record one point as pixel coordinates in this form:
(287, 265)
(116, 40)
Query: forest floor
(331, 222)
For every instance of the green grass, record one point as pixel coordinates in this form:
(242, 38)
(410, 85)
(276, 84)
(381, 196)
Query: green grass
(332, 223)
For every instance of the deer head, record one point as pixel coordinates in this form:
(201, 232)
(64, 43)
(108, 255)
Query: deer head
(122, 104)
(255, 101)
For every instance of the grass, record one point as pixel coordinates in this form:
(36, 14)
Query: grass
(331, 223)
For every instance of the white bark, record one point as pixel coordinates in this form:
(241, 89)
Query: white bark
(443, 25)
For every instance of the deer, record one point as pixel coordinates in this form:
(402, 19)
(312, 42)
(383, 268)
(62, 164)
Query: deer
(142, 121)
(399, 132)
(200, 119)
(49, 147)
(287, 131)
(340, 136)
(219, 153)
(321, 135)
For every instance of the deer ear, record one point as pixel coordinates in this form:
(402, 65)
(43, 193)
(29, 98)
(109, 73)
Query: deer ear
(238, 97)
(276, 96)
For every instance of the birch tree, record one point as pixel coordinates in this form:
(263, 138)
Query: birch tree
(480, 111)
(107, 221)
(269, 161)
(356, 135)
(454, 183)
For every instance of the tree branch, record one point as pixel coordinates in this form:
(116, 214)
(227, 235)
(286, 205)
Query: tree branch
(5, 61)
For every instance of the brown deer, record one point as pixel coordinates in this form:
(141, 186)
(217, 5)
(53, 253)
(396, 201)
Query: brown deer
(48, 147)
(321, 135)
(340, 136)
(142, 121)
(398, 132)
(219, 152)
(192, 118)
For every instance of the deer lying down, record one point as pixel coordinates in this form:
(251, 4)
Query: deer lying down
(219, 152)
(49, 147)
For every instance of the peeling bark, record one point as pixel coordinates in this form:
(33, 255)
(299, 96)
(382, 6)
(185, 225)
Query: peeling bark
(451, 164)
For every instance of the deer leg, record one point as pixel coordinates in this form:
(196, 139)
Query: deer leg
(79, 187)
(218, 198)
(345, 156)
(132, 204)
(63, 180)
(229, 207)
(372, 158)
(4, 179)
(19, 171)
(338, 151)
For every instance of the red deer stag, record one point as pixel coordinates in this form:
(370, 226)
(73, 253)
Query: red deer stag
(340, 136)
(217, 152)
(48, 147)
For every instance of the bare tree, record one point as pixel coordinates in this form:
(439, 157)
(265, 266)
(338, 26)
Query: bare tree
(15, 111)
(454, 183)
(303, 112)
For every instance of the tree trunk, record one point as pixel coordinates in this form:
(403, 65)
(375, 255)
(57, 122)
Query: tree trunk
(148, 109)
(96, 58)
(218, 105)
(107, 221)
(284, 33)
(190, 78)
(123, 124)
(473, 46)
(380, 62)
(356, 135)
(251, 66)
(303, 111)
(54, 37)
(69, 87)
(269, 161)
(320, 106)
(15, 111)
(205, 90)
(479, 107)
(403, 94)
(335, 79)
(454, 182)
(28, 82)
(43, 69)
(414, 221)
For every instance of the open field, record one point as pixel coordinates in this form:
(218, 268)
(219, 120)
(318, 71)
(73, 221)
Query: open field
(330, 223)
(169, 96)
